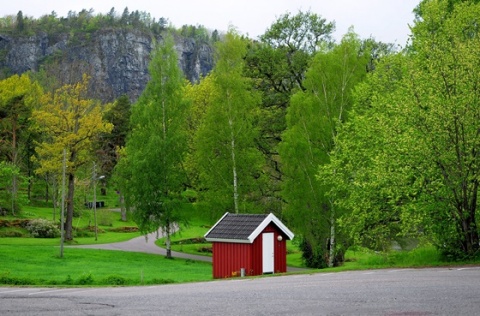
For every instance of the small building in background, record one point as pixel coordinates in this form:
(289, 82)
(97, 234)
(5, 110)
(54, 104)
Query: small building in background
(248, 244)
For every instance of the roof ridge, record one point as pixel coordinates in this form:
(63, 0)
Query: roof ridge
(243, 227)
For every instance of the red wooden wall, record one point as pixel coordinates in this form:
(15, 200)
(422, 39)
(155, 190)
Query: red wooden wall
(280, 248)
(229, 258)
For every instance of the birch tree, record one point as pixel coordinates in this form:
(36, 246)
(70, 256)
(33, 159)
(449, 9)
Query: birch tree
(278, 63)
(156, 147)
(228, 160)
(312, 121)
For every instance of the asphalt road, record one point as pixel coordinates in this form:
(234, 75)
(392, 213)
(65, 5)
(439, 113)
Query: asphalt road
(416, 292)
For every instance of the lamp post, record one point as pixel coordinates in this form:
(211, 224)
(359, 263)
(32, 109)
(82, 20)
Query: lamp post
(94, 178)
(62, 214)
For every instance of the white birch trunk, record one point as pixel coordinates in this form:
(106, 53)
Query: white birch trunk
(234, 170)
(331, 257)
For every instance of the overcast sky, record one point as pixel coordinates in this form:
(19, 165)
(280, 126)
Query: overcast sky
(385, 20)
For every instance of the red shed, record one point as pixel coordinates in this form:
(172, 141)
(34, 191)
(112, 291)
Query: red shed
(249, 244)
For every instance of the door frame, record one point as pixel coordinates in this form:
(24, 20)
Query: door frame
(268, 252)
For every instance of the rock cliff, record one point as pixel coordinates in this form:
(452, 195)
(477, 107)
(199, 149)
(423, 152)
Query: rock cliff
(117, 59)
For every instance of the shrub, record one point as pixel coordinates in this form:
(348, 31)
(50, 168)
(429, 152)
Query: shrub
(313, 255)
(85, 279)
(42, 228)
(104, 217)
(11, 233)
(124, 229)
(115, 280)
(86, 232)
(160, 281)
(5, 278)
(68, 280)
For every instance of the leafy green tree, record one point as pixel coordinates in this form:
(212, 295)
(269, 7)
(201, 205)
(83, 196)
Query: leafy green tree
(156, 147)
(68, 120)
(118, 115)
(227, 157)
(278, 64)
(359, 173)
(445, 84)
(201, 95)
(312, 121)
(18, 96)
(449, 6)
(419, 117)
(9, 198)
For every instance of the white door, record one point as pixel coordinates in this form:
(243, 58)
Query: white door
(268, 252)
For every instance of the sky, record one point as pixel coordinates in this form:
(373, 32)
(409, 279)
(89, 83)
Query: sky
(384, 20)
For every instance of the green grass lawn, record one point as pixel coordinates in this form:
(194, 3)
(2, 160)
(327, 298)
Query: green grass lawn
(36, 261)
(42, 265)
(107, 220)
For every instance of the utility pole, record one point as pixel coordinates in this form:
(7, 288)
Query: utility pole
(95, 179)
(62, 224)
(95, 199)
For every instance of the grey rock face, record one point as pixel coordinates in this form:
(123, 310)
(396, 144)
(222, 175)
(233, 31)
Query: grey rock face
(116, 59)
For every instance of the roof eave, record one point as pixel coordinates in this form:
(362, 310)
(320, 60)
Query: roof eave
(236, 241)
(270, 218)
(205, 236)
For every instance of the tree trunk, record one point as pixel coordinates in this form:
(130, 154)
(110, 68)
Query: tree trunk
(470, 235)
(469, 228)
(54, 199)
(331, 258)
(123, 210)
(14, 161)
(70, 206)
(234, 168)
(168, 242)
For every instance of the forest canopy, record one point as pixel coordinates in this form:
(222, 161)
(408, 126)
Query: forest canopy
(352, 143)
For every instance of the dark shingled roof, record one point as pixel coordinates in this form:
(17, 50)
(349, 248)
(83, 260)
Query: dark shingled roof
(236, 226)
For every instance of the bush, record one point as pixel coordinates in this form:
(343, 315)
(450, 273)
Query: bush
(314, 256)
(85, 279)
(81, 233)
(160, 281)
(5, 278)
(124, 229)
(11, 233)
(104, 217)
(42, 228)
(115, 280)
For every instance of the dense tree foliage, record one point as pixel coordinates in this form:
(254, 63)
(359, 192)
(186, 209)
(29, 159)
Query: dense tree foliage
(407, 164)
(87, 21)
(348, 142)
(228, 160)
(72, 122)
(157, 145)
(278, 64)
(108, 149)
(83, 21)
(18, 97)
(312, 120)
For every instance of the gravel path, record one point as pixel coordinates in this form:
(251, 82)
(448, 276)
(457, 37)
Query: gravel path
(146, 245)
